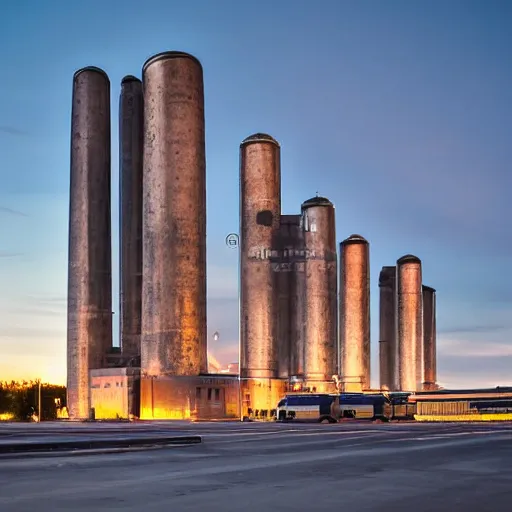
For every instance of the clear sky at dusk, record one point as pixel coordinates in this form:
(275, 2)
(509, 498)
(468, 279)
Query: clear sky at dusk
(399, 112)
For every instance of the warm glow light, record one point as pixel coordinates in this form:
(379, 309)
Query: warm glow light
(159, 413)
(51, 370)
(465, 417)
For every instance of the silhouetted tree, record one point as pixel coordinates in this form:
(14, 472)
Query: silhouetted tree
(21, 399)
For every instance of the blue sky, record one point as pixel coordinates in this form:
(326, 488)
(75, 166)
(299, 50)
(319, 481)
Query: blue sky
(397, 111)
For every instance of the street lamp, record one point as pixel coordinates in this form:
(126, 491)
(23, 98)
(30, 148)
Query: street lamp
(233, 242)
(39, 408)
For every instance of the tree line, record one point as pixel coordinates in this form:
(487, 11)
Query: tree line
(19, 401)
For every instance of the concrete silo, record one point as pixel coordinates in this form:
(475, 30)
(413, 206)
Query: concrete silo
(387, 339)
(131, 122)
(429, 339)
(355, 314)
(260, 212)
(409, 318)
(173, 341)
(89, 329)
(318, 288)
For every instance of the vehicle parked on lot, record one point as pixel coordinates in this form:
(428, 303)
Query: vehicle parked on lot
(329, 407)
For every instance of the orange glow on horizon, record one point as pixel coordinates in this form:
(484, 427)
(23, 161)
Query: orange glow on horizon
(32, 369)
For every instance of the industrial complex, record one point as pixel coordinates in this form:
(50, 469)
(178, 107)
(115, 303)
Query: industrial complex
(304, 306)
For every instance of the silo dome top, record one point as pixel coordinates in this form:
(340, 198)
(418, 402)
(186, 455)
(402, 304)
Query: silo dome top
(91, 68)
(355, 239)
(408, 258)
(169, 55)
(387, 274)
(316, 201)
(259, 137)
(129, 78)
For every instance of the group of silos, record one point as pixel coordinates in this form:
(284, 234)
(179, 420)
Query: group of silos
(288, 276)
(288, 267)
(407, 323)
(288, 280)
(296, 323)
(162, 223)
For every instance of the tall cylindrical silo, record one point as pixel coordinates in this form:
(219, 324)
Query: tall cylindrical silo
(260, 212)
(387, 342)
(90, 267)
(355, 313)
(409, 318)
(319, 287)
(173, 340)
(429, 339)
(131, 122)
(295, 255)
(285, 276)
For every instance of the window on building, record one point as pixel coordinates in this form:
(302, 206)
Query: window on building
(198, 393)
(304, 221)
(217, 394)
(209, 393)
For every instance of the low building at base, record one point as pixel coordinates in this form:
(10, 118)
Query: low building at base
(207, 397)
(261, 396)
(463, 405)
(115, 393)
(122, 393)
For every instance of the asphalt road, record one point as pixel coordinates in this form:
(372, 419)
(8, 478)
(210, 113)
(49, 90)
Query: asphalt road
(50, 432)
(281, 467)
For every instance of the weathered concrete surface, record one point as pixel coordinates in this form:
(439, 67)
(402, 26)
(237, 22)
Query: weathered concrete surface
(260, 210)
(388, 352)
(131, 121)
(290, 243)
(365, 467)
(319, 285)
(409, 321)
(429, 338)
(354, 314)
(90, 264)
(173, 339)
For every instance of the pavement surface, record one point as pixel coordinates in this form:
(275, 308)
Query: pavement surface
(51, 437)
(282, 467)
